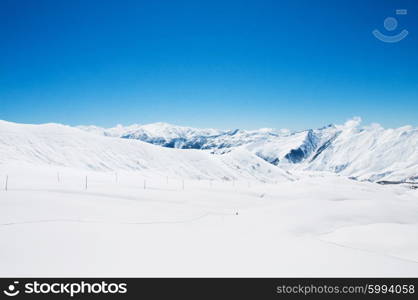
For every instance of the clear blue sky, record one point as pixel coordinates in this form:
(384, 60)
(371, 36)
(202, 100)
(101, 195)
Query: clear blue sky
(226, 64)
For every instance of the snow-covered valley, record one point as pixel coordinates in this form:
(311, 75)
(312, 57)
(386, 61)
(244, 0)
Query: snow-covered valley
(84, 204)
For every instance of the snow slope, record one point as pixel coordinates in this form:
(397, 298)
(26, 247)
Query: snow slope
(64, 146)
(292, 149)
(371, 153)
(320, 225)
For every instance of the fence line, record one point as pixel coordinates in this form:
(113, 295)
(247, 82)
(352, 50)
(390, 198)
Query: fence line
(158, 181)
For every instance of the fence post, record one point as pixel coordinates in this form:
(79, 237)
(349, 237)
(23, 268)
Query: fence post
(183, 184)
(86, 183)
(7, 181)
(58, 176)
(145, 184)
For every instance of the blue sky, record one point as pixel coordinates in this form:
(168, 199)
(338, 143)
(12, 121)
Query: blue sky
(225, 64)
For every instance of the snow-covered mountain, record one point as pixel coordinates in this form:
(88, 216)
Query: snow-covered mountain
(370, 153)
(364, 153)
(172, 136)
(161, 134)
(360, 152)
(64, 146)
(269, 144)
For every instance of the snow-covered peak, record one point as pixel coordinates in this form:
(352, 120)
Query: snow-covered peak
(117, 131)
(156, 130)
(167, 131)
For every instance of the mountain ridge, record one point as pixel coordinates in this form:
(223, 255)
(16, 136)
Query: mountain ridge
(311, 149)
(365, 153)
